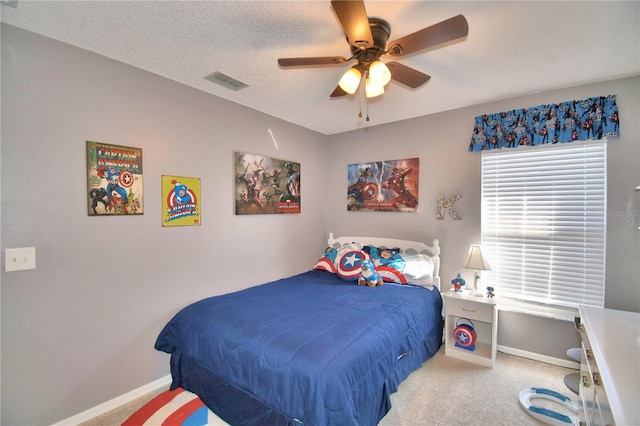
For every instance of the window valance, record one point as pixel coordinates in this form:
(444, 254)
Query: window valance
(592, 118)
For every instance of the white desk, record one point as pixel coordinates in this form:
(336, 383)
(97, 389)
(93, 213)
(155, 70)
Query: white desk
(614, 340)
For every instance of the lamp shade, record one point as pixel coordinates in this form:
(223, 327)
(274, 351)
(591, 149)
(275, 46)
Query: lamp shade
(379, 73)
(350, 80)
(475, 259)
(373, 89)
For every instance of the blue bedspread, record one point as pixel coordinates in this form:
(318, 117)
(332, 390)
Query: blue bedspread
(310, 349)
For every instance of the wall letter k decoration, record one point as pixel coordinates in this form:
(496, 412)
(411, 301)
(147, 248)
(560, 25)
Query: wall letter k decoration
(448, 206)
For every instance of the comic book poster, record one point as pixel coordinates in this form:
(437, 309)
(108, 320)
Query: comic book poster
(180, 201)
(384, 186)
(114, 180)
(265, 185)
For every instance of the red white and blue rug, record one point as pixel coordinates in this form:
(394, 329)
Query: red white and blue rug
(174, 408)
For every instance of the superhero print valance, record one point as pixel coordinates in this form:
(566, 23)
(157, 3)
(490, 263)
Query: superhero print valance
(577, 120)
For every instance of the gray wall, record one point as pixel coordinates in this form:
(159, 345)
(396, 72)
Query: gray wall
(447, 168)
(79, 330)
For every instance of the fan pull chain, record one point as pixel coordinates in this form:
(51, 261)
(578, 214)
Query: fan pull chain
(360, 102)
(367, 105)
(362, 95)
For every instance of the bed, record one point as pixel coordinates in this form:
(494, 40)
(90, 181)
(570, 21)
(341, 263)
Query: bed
(315, 348)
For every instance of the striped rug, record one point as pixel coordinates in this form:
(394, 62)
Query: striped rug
(174, 408)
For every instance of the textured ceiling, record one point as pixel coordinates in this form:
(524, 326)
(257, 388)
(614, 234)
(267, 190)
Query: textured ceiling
(513, 48)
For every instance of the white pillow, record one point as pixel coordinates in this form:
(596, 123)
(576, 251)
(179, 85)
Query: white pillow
(418, 269)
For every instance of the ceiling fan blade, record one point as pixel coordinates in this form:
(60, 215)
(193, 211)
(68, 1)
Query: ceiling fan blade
(355, 22)
(320, 60)
(406, 75)
(434, 35)
(338, 92)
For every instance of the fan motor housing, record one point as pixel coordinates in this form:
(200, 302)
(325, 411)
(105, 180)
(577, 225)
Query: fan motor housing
(380, 31)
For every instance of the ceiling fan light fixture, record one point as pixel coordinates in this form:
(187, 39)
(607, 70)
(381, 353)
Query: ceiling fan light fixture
(368, 39)
(350, 80)
(379, 73)
(373, 88)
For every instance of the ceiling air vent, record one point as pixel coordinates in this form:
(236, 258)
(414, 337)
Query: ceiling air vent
(226, 81)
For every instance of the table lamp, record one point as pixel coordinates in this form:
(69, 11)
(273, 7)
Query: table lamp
(476, 260)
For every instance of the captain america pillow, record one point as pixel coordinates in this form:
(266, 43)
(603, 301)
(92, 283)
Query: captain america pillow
(328, 261)
(349, 263)
(401, 269)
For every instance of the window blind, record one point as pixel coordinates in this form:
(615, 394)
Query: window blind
(544, 223)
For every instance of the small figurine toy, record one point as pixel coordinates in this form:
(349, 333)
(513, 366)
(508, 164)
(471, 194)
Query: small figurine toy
(458, 283)
(490, 293)
(369, 275)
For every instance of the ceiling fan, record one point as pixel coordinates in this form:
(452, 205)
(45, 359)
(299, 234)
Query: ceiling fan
(368, 38)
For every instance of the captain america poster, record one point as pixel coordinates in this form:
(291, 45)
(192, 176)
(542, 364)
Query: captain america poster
(114, 180)
(390, 185)
(265, 185)
(180, 201)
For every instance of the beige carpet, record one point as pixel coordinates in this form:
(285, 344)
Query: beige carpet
(447, 391)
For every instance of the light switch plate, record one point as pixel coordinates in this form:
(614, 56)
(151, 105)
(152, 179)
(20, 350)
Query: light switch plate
(19, 259)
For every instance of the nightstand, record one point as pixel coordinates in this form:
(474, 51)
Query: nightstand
(482, 312)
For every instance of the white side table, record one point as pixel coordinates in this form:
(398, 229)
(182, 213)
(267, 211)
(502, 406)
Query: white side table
(482, 313)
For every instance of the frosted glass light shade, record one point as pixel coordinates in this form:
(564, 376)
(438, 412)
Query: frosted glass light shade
(372, 89)
(350, 81)
(379, 73)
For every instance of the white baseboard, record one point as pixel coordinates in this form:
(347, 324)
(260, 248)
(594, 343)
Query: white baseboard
(539, 357)
(115, 402)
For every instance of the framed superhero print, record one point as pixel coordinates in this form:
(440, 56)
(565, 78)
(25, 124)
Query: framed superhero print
(390, 185)
(114, 180)
(265, 185)
(180, 201)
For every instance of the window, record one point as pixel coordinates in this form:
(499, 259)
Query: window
(544, 222)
